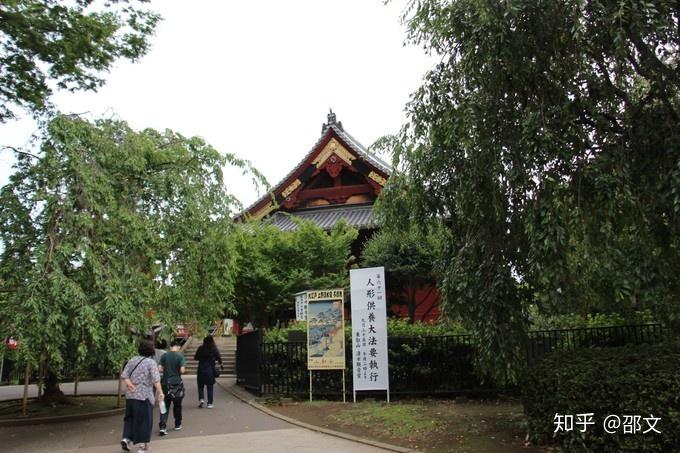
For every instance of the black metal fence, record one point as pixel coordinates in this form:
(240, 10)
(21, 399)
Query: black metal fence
(418, 365)
(544, 341)
(437, 364)
(249, 359)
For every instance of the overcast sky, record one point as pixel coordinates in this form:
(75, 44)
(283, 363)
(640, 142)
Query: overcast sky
(256, 78)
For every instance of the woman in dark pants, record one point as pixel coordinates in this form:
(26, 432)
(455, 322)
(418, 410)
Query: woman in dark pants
(141, 376)
(207, 354)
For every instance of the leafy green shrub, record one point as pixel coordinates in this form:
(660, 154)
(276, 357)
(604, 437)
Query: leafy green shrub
(280, 334)
(396, 327)
(573, 320)
(400, 327)
(632, 380)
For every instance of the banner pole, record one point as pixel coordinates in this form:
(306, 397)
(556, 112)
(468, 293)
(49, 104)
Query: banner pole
(310, 385)
(344, 398)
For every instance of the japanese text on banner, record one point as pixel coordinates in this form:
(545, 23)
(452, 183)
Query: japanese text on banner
(369, 329)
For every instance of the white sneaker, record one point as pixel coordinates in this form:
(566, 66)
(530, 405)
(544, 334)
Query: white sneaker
(125, 444)
(177, 428)
(200, 403)
(163, 432)
(210, 406)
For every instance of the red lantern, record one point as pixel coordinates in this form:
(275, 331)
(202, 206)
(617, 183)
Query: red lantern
(11, 343)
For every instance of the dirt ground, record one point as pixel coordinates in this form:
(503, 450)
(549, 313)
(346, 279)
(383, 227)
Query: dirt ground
(66, 406)
(425, 425)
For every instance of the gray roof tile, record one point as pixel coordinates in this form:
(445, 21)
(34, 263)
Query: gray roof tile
(359, 216)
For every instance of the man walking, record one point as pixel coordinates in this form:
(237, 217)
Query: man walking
(172, 366)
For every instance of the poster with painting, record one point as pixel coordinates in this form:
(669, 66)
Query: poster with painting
(325, 330)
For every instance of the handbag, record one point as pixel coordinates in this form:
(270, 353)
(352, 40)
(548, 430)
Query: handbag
(176, 391)
(216, 372)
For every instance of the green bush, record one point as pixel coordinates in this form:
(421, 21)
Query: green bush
(396, 327)
(632, 380)
(280, 334)
(400, 327)
(574, 321)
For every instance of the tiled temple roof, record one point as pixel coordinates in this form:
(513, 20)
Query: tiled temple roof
(359, 216)
(333, 126)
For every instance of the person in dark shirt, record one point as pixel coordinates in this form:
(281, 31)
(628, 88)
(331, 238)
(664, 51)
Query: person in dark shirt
(207, 354)
(172, 365)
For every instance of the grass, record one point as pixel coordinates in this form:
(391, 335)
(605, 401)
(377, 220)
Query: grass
(394, 419)
(426, 425)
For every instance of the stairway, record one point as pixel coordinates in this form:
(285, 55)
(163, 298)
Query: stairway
(227, 348)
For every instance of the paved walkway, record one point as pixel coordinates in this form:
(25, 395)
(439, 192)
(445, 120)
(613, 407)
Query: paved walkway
(232, 426)
(9, 392)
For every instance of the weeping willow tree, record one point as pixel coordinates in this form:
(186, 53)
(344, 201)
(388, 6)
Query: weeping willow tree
(105, 229)
(548, 137)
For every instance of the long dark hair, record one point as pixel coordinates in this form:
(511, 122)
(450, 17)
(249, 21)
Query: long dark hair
(207, 349)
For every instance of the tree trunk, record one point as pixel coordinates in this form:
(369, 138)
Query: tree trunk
(27, 376)
(120, 384)
(263, 321)
(52, 390)
(41, 376)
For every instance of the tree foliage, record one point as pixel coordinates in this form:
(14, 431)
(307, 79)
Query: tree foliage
(409, 257)
(106, 229)
(273, 265)
(46, 44)
(548, 137)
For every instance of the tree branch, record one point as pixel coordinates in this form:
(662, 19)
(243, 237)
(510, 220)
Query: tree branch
(18, 151)
(650, 59)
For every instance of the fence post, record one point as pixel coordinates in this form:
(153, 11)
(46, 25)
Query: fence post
(258, 361)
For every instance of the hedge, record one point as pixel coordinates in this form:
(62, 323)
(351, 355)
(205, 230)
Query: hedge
(396, 327)
(635, 380)
(540, 321)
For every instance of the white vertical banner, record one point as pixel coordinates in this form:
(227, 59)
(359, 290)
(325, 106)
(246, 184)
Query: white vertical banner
(369, 329)
(301, 306)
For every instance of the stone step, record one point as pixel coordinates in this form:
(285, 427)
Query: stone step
(225, 360)
(190, 356)
(227, 348)
(222, 356)
(225, 364)
(225, 371)
(223, 348)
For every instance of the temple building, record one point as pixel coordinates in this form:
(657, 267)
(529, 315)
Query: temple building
(337, 180)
